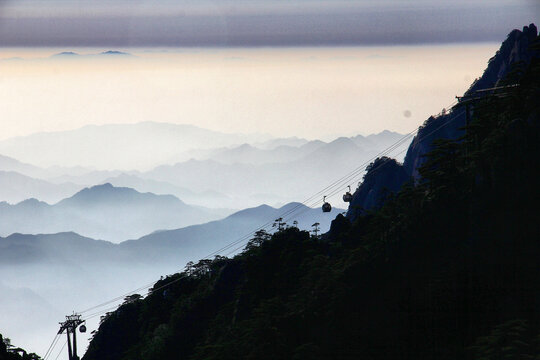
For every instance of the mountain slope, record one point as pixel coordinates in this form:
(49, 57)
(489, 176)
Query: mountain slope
(14, 165)
(383, 177)
(167, 246)
(250, 154)
(514, 50)
(234, 177)
(445, 269)
(9, 351)
(513, 56)
(11, 164)
(208, 198)
(129, 146)
(441, 270)
(68, 270)
(313, 168)
(15, 187)
(197, 241)
(103, 212)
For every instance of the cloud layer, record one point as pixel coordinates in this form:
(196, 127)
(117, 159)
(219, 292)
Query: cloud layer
(256, 22)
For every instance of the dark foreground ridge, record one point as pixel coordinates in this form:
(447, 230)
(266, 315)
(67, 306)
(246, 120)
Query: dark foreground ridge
(514, 54)
(11, 352)
(446, 268)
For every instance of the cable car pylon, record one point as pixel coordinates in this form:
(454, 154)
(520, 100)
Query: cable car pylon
(316, 229)
(70, 327)
(350, 176)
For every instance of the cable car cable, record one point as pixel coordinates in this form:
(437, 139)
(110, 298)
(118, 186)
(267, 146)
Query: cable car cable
(51, 346)
(352, 174)
(62, 349)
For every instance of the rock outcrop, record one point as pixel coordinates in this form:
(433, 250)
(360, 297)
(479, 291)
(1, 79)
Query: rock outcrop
(384, 175)
(514, 52)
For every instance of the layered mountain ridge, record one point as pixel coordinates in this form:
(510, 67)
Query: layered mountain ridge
(104, 212)
(446, 268)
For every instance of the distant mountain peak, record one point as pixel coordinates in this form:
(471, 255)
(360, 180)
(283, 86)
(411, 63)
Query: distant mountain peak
(115, 52)
(250, 211)
(341, 143)
(72, 54)
(32, 202)
(101, 192)
(101, 187)
(391, 176)
(29, 201)
(342, 140)
(108, 193)
(292, 205)
(66, 53)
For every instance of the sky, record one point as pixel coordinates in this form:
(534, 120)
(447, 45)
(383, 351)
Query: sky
(258, 22)
(315, 93)
(308, 68)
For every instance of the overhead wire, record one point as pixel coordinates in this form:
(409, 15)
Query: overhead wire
(305, 209)
(98, 313)
(332, 189)
(117, 298)
(351, 175)
(305, 203)
(51, 346)
(62, 349)
(387, 152)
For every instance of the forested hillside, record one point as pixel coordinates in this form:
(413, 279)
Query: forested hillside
(514, 53)
(10, 352)
(447, 268)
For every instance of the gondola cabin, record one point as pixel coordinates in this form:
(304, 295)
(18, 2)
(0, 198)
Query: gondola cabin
(326, 207)
(347, 197)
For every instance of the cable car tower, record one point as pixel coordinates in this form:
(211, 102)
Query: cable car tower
(316, 229)
(70, 326)
(470, 99)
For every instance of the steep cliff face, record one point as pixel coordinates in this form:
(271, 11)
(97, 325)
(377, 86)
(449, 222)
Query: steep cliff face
(446, 269)
(515, 51)
(447, 126)
(384, 175)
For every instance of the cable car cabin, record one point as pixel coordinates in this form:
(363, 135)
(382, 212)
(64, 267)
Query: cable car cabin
(347, 197)
(82, 328)
(326, 207)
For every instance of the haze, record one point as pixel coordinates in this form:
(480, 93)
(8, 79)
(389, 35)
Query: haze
(308, 92)
(248, 75)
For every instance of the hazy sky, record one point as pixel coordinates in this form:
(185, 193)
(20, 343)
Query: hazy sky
(308, 92)
(210, 76)
(258, 22)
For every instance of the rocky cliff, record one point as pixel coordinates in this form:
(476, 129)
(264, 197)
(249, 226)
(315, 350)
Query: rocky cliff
(384, 175)
(514, 54)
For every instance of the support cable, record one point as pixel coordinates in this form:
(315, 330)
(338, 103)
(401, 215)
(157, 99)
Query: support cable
(62, 349)
(334, 188)
(51, 346)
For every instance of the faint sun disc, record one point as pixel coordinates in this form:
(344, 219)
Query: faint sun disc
(407, 113)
